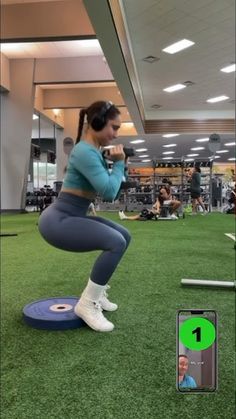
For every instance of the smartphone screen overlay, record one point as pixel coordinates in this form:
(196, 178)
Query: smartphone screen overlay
(196, 363)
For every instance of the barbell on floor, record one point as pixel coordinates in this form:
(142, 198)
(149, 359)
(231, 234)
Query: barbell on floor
(208, 283)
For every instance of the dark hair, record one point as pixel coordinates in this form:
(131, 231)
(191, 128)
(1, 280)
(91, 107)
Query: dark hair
(95, 110)
(197, 168)
(166, 181)
(182, 355)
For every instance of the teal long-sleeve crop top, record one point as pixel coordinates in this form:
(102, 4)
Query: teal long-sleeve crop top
(88, 171)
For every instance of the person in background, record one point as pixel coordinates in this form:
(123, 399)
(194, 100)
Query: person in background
(91, 209)
(145, 214)
(65, 223)
(165, 198)
(195, 190)
(185, 380)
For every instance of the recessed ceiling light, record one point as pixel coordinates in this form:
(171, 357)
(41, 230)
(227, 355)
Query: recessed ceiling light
(144, 155)
(217, 99)
(202, 140)
(168, 152)
(232, 159)
(174, 88)
(169, 145)
(230, 144)
(216, 157)
(35, 116)
(137, 141)
(146, 160)
(197, 148)
(178, 46)
(192, 155)
(151, 59)
(139, 150)
(188, 159)
(170, 135)
(167, 158)
(229, 69)
(222, 151)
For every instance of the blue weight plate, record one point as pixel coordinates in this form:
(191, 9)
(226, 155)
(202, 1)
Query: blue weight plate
(53, 314)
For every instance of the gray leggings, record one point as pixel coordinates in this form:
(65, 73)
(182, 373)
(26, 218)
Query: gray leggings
(65, 225)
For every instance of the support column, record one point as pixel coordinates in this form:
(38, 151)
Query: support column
(17, 108)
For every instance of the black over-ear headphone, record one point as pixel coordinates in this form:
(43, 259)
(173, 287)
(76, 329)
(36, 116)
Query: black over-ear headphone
(99, 121)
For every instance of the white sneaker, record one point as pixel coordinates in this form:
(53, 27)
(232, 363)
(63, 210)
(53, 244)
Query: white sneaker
(105, 303)
(91, 313)
(174, 217)
(122, 215)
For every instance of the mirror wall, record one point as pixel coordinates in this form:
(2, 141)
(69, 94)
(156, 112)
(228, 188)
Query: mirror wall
(42, 168)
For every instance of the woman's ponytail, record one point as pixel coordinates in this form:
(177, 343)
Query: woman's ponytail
(81, 124)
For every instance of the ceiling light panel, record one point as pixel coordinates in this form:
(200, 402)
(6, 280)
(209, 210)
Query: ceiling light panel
(202, 140)
(168, 152)
(217, 99)
(140, 150)
(170, 135)
(174, 88)
(169, 145)
(167, 158)
(229, 68)
(192, 155)
(197, 148)
(222, 151)
(230, 144)
(137, 141)
(178, 46)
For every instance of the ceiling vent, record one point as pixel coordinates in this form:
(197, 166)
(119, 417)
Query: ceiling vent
(155, 106)
(151, 59)
(188, 83)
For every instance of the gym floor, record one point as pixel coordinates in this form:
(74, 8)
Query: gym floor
(130, 372)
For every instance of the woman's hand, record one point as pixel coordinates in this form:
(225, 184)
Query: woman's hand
(116, 153)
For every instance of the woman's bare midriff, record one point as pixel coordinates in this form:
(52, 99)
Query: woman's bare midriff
(78, 192)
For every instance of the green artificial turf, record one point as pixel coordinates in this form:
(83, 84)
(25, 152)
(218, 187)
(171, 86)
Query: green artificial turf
(130, 372)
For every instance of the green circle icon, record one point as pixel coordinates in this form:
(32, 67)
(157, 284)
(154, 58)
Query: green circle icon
(197, 333)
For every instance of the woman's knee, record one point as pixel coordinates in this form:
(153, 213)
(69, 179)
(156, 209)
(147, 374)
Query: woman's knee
(119, 244)
(126, 236)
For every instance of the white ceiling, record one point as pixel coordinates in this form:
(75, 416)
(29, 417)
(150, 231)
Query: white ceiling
(156, 24)
(152, 25)
(59, 49)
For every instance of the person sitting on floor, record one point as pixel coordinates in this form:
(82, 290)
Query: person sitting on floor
(165, 198)
(145, 214)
